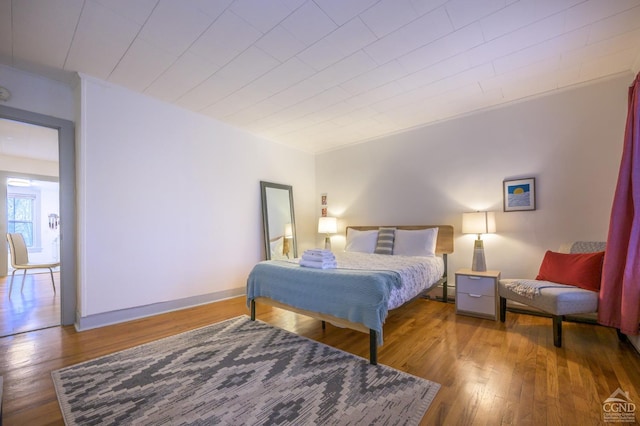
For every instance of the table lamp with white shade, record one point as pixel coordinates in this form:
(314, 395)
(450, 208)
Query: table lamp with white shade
(327, 226)
(478, 223)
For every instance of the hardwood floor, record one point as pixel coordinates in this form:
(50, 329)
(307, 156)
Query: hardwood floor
(491, 373)
(36, 307)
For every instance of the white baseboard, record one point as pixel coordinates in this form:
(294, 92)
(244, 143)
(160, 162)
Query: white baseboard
(123, 315)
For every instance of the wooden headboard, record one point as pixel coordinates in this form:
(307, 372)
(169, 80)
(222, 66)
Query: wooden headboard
(444, 245)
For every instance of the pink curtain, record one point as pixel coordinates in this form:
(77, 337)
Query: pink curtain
(619, 304)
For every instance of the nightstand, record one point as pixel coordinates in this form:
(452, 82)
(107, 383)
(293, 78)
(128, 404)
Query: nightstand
(477, 293)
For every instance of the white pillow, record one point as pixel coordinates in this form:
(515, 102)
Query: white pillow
(361, 241)
(421, 242)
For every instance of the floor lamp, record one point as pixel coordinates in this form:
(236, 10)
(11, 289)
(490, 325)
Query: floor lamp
(478, 223)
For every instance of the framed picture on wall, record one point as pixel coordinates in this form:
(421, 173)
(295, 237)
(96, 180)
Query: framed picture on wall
(519, 194)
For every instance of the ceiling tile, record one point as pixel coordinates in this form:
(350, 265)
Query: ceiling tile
(5, 28)
(313, 104)
(341, 11)
(206, 93)
(289, 126)
(464, 12)
(428, 28)
(260, 110)
(308, 23)
(212, 8)
(418, 33)
(522, 75)
(530, 35)
(438, 88)
(520, 14)
(320, 55)
(42, 31)
(282, 77)
(615, 25)
(280, 44)
(628, 40)
(591, 11)
(262, 18)
(424, 6)
(350, 37)
(225, 39)
(376, 77)
(187, 72)
(102, 38)
(450, 45)
(547, 49)
(607, 65)
(436, 72)
(388, 16)
(349, 67)
(354, 115)
(174, 26)
(296, 93)
(249, 65)
(235, 102)
(376, 94)
(140, 66)
(137, 11)
(341, 43)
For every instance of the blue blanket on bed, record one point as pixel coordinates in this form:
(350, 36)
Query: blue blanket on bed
(355, 295)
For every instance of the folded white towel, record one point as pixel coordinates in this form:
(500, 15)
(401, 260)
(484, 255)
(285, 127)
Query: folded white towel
(318, 264)
(318, 254)
(314, 258)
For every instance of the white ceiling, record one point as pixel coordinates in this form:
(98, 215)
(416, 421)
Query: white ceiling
(25, 140)
(320, 74)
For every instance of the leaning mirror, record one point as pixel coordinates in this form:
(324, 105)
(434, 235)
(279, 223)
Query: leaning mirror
(278, 221)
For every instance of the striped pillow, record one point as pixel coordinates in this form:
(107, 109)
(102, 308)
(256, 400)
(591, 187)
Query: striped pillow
(385, 241)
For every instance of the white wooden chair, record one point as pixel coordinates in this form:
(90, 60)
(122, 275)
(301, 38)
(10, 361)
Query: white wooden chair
(20, 260)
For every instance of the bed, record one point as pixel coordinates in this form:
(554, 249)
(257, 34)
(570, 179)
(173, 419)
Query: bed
(365, 286)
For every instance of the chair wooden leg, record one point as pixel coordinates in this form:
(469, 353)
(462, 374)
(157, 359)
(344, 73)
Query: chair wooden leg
(11, 283)
(53, 283)
(557, 331)
(23, 277)
(503, 309)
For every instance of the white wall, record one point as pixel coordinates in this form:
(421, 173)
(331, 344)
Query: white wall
(34, 93)
(570, 142)
(29, 165)
(169, 201)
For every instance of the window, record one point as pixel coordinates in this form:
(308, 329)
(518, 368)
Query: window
(21, 216)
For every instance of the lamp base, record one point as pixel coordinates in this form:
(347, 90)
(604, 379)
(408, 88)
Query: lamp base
(478, 264)
(327, 243)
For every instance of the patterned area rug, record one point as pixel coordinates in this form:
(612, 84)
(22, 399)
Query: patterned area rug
(239, 372)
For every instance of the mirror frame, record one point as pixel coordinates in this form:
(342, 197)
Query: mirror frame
(265, 216)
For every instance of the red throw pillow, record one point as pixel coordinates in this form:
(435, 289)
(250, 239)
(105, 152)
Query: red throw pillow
(582, 270)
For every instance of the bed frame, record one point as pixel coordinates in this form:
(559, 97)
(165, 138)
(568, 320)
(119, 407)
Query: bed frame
(444, 246)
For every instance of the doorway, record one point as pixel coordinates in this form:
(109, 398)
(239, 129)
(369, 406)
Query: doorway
(66, 278)
(29, 301)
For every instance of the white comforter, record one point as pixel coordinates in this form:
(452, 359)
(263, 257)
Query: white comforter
(417, 273)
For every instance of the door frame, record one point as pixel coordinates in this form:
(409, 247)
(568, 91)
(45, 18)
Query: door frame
(67, 181)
